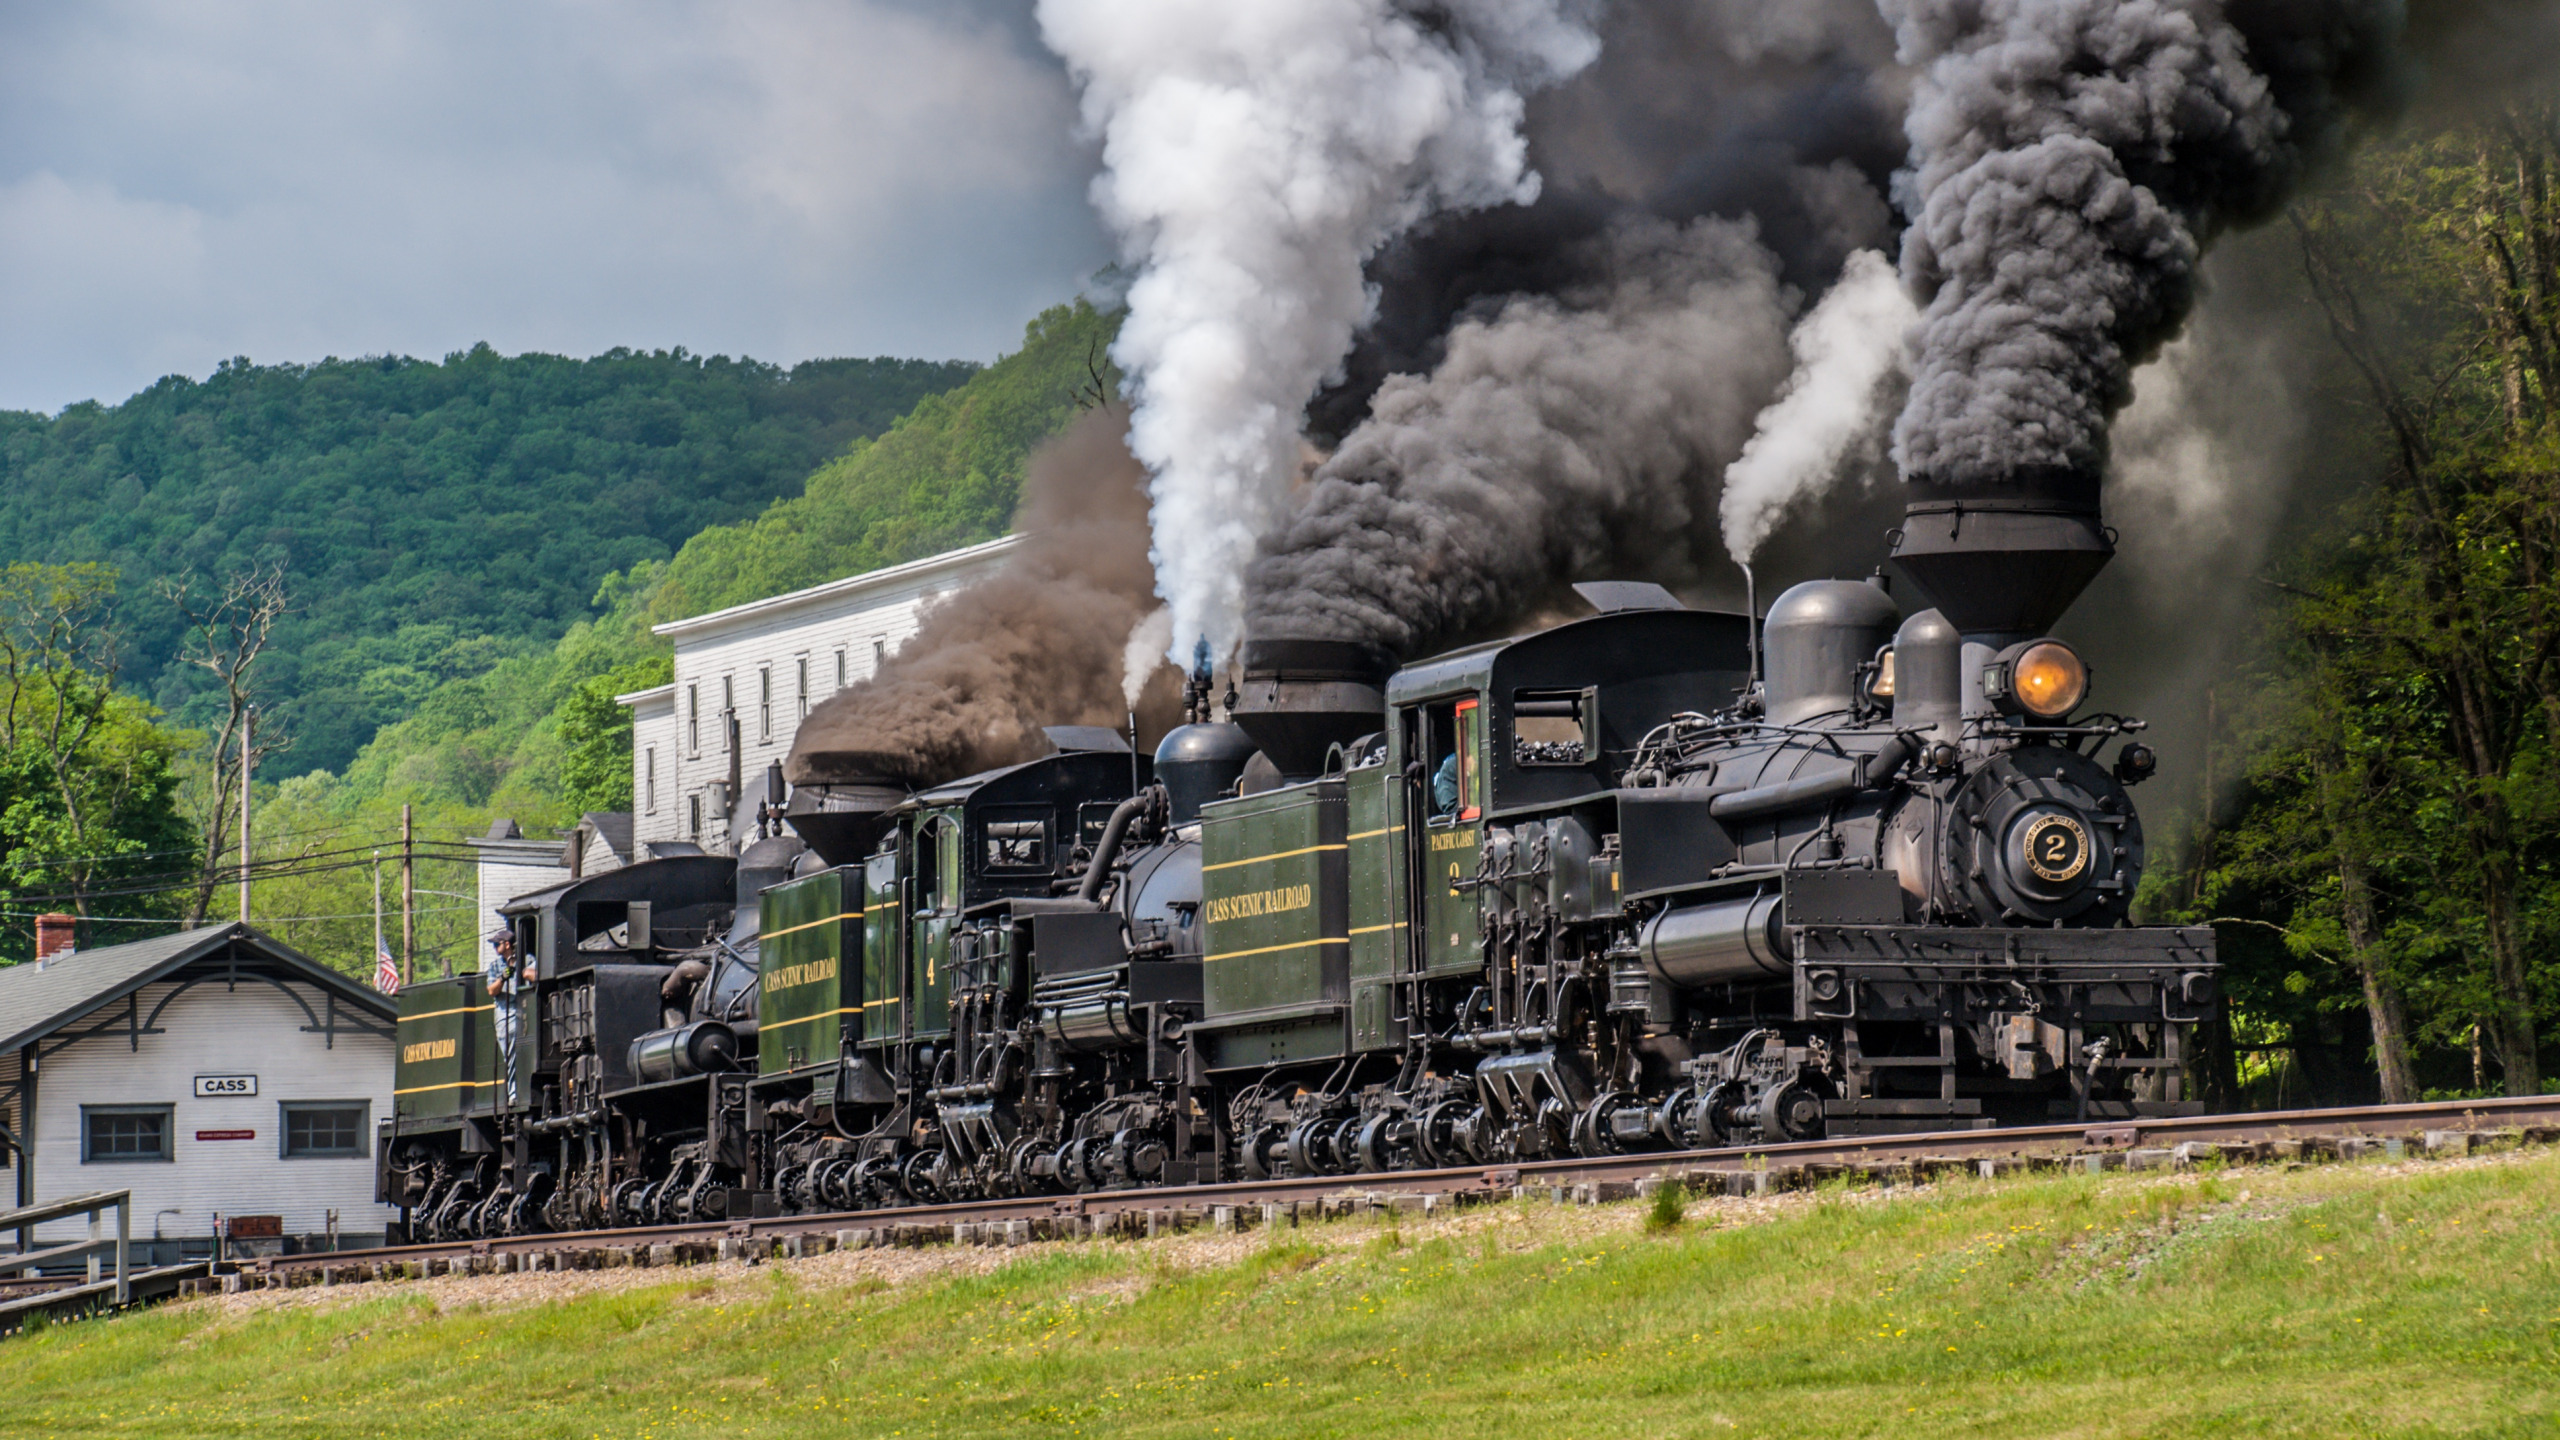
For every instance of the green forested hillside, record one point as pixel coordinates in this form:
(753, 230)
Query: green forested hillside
(535, 735)
(431, 518)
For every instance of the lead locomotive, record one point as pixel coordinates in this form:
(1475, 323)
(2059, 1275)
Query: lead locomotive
(1603, 888)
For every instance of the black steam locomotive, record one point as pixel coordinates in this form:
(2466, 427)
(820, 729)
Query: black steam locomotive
(1604, 888)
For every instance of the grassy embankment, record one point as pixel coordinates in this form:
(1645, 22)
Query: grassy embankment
(2348, 1300)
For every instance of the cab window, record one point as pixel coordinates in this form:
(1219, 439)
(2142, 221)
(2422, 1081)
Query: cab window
(1455, 783)
(1015, 838)
(928, 865)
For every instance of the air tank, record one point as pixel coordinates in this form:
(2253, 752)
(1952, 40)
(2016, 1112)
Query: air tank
(705, 1047)
(1723, 942)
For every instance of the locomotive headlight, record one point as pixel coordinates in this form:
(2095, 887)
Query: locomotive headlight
(2042, 678)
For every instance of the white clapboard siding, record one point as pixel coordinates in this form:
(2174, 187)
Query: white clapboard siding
(212, 1029)
(861, 619)
(654, 797)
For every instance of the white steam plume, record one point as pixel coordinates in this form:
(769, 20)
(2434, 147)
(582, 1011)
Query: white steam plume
(1849, 350)
(1145, 653)
(1256, 152)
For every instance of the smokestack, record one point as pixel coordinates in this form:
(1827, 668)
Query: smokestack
(55, 935)
(2006, 556)
(1303, 695)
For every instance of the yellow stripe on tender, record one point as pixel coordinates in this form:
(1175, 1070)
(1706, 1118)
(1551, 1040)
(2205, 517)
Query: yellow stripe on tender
(1374, 834)
(805, 1019)
(456, 1085)
(876, 1004)
(1258, 859)
(796, 929)
(1374, 929)
(459, 1010)
(1276, 949)
(883, 905)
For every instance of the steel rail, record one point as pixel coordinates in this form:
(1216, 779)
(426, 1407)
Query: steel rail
(2021, 1142)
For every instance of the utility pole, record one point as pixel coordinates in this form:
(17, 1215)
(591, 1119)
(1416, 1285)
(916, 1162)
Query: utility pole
(408, 899)
(248, 725)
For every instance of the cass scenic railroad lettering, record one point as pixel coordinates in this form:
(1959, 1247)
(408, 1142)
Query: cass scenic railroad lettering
(426, 1050)
(1260, 902)
(790, 976)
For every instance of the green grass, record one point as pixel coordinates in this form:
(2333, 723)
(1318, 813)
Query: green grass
(2334, 1301)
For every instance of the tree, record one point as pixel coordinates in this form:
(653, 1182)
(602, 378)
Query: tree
(87, 778)
(595, 735)
(2438, 269)
(226, 635)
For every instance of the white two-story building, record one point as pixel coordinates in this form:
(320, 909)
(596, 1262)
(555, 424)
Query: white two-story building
(764, 664)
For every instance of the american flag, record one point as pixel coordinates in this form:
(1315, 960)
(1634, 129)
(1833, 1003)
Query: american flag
(386, 971)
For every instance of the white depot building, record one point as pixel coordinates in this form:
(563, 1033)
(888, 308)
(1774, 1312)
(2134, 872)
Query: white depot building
(214, 1072)
(764, 664)
(761, 665)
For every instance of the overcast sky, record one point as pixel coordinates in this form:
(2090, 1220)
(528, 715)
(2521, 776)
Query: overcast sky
(182, 181)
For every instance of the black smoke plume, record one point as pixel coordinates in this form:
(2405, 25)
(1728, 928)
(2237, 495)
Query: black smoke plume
(1564, 438)
(1786, 115)
(2070, 160)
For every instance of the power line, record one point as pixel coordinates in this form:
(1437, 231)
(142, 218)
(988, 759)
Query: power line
(260, 920)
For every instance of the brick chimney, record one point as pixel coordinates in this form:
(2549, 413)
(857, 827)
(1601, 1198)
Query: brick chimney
(54, 935)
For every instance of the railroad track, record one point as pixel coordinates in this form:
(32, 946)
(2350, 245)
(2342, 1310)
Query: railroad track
(2138, 1144)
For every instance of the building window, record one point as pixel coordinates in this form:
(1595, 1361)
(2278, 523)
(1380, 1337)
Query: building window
(879, 654)
(324, 1129)
(9, 1150)
(764, 702)
(693, 719)
(840, 678)
(728, 709)
(649, 777)
(693, 815)
(112, 1134)
(802, 665)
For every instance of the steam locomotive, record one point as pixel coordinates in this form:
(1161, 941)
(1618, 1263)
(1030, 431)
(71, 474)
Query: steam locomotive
(1609, 887)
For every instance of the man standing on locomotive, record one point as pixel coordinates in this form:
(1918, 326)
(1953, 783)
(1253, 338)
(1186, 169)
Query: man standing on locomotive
(505, 980)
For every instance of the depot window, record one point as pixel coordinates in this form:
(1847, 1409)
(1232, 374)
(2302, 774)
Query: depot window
(324, 1129)
(764, 702)
(115, 1134)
